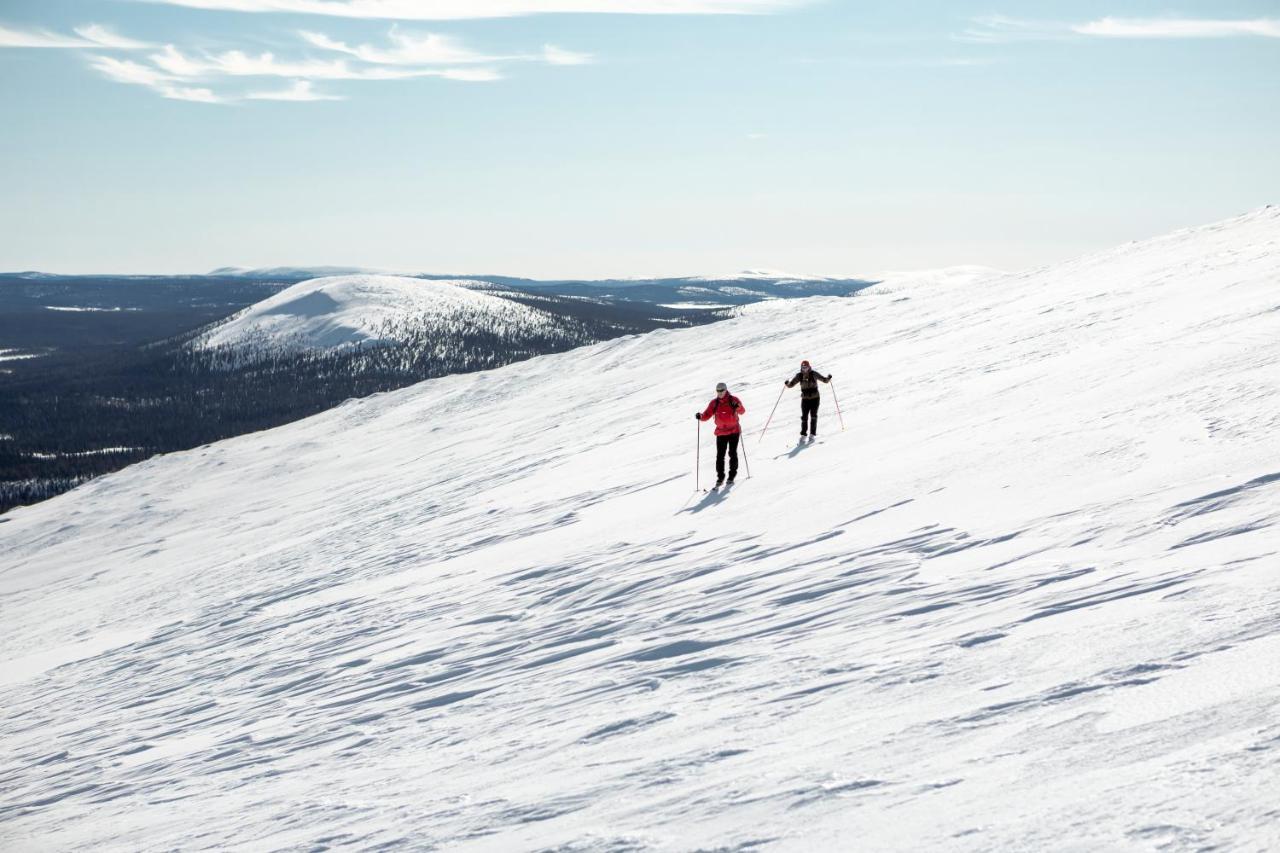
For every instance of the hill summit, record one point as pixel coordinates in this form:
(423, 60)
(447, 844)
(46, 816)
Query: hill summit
(331, 313)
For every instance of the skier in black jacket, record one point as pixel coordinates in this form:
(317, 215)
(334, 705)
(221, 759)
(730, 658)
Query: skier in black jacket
(810, 399)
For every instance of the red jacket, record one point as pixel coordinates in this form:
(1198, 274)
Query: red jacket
(726, 412)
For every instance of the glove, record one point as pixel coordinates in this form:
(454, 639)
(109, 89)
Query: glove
(697, 416)
(829, 375)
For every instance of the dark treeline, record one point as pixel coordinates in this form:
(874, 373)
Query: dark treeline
(82, 313)
(78, 417)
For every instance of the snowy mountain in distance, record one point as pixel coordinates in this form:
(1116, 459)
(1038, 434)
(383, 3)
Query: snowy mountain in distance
(775, 276)
(693, 291)
(33, 275)
(1027, 599)
(736, 289)
(326, 314)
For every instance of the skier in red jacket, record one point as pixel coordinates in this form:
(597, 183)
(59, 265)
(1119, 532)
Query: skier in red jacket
(726, 408)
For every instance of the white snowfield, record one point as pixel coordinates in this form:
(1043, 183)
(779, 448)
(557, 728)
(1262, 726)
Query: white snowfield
(1028, 599)
(893, 282)
(340, 311)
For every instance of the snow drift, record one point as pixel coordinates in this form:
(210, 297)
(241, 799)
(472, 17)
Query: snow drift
(1028, 599)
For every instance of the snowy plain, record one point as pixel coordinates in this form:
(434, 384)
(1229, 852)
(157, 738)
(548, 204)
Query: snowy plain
(1029, 598)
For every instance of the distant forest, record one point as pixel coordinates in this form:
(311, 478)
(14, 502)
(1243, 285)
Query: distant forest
(81, 410)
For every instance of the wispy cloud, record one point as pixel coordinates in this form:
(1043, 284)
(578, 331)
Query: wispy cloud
(1179, 28)
(405, 49)
(101, 38)
(137, 74)
(197, 76)
(301, 90)
(455, 10)
(127, 71)
(553, 55)
(92, 36)
(419, 50)
(203, 76)
(997, 29)
(236, 63)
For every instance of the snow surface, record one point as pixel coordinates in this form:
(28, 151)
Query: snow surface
(17, 355)
(1029, 599)
(341, 311)
(81, 453)
(957, 276)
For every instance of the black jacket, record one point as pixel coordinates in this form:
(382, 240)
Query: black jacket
(808, 387)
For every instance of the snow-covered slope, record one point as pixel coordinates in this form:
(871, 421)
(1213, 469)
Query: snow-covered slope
(1028, 599)
(341, 311)
(958, 276)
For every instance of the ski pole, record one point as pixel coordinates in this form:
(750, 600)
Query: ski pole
(697, 461)
(745, 460)
(775, 408)
(836, 397)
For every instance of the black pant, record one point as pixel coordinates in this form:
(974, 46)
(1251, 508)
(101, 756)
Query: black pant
(730, 443)
(809, 409)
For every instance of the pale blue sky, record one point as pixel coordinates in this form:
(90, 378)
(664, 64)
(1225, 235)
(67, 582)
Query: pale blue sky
(815, 137)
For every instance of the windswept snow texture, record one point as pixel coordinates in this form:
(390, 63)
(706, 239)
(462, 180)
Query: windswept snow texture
(1029, 599)
(891, 282)
(325, 314)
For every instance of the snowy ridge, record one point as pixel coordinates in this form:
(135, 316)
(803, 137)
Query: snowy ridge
(343, 311)
(1027, 600)
(957, 276)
